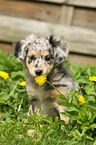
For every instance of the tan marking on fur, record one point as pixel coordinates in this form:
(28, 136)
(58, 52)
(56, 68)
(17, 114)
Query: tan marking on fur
(32, 52)
(55, 92)
(47, 67)
(31, 67)
(45, 53)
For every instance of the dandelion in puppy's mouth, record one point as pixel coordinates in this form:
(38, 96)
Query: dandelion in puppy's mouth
(40, 80)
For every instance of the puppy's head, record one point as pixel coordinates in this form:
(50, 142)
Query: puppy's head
(40, 54)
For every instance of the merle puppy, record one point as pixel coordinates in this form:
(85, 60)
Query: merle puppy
(45, 56)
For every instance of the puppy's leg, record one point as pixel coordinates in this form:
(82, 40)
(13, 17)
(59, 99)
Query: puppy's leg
(62, 109)
(58, 100)
(33, 106)
(49, 107)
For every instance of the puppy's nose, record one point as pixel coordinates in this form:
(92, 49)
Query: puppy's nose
(38, 72)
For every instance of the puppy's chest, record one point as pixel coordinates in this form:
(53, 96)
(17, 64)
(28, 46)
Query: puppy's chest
(36, 92)
(41, 94)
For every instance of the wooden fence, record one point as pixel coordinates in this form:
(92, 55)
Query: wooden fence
(72, 20)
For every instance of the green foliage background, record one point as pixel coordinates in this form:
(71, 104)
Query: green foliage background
(16, 126)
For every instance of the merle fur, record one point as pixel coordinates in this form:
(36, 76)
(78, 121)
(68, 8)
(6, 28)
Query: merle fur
(53, 42)
(17, 48)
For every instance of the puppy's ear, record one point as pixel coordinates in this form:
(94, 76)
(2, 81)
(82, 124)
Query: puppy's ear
(19, 50)
(20, 47)
(61, 50)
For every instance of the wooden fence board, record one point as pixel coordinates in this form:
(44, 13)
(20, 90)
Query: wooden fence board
(84, 17)
(66, 15)
(32, 10)
(83, 60)
(53, 1)
(81, 40)
(83, 3)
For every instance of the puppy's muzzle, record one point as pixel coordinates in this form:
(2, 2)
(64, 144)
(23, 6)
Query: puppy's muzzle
(38, 72)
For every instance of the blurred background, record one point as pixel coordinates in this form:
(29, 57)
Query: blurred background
(73, 21)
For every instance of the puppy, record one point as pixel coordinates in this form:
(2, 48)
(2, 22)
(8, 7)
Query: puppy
(45, 56)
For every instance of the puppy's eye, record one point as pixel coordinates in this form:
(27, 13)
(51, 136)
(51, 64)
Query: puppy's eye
(47, 58)
(31, 58)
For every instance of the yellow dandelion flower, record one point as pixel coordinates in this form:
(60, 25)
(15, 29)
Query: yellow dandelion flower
(23, 83)
(81, 99)
(36, 140)
(92, 78)
(4, 75)
(41, 79)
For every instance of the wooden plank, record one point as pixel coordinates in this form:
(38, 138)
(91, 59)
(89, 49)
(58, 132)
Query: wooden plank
(48, 12)
(83, 3)
(83, 60)
(32, 10)
(84, 17)
(52, 1)
(81, 40)
(66, 15)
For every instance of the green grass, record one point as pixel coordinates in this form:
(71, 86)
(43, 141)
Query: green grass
(15, 125)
